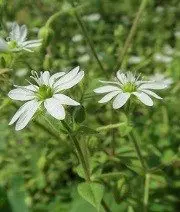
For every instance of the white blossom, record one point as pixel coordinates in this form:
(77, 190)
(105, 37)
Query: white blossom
(92, 17)
(126, 85)
(158, 57)
(158, 77)
(17, 40)
(134, 59)
(46, 92)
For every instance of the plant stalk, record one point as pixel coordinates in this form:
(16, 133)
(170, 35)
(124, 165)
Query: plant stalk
(131, 34)
(146, 192)
(138, 151)
(88, 40)
(79, 151)
(82, 160)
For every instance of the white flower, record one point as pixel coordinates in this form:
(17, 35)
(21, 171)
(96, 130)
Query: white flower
(17, 40)
(158, 77)
(125, 85)
(135, 59)
(92, 17)
(77, 38)
(47, 92)
(158, 57)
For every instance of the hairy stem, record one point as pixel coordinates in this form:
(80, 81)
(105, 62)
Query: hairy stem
(57, 14)
(146, 192)
(131, 34)
(82, 159)
(138, 150)
(88, 40)
(79, 150)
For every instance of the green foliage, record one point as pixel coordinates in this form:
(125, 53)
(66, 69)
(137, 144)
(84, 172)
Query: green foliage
(40, 169)
(91, 192)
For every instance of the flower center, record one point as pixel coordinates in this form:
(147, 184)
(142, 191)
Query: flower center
(12, 44)
(44, 92)
(129, 87)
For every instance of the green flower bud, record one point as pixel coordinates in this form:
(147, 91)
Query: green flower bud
(47, 64)
(46, 33)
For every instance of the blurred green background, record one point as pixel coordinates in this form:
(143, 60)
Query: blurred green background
(38, 167)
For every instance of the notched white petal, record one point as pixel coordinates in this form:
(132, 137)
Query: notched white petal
(106, 89)
(65, 100)
(121, 77)
(54, 108)
(27, 115)
(153, 86)
(144, 98)
(71, 83)
(55, 77)
(21, 94)
(109, 96)
(120, 100)
(151, 93)
(67, 77)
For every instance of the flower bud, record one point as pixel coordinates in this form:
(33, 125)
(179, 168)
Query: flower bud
(47, 64)
(46, 33)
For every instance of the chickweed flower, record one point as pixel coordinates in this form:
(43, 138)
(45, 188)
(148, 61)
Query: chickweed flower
(17, 40)
(46, 91)
(158, 77)
(126, 85)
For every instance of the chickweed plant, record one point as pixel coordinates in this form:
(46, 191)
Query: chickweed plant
(94, 131)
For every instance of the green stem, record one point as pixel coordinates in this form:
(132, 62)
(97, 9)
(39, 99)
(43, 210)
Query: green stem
(131, 34)
(57, 14)
(105, 206)
(79, 150)
(109, 127)
(146, 192)
(82, 159)
(138, 151)
(88, 40)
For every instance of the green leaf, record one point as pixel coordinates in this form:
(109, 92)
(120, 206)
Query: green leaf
(91, 192)
(79, 114)
(125, 129)
(2, 62)
(17, 195)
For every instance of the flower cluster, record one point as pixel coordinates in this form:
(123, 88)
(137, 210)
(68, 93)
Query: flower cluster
(47, 92)
(17, 40)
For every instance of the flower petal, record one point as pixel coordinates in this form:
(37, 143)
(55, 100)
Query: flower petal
(153, 85)
(45, 78)
(151, 94)
(54, 107)
(32, 43)
(71, 83)
(106, 89)
(15, 32)
(3, 45)
(144, 98)
(121, 77)
(28, 87)
(54, 77)
(67, 77)
(21, 94)
(23, 33)
(27, 115)
(109, 82)
(65, 100)
(109, 96)
(120, 100)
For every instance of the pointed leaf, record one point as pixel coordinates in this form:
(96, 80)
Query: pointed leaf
(91, 192)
